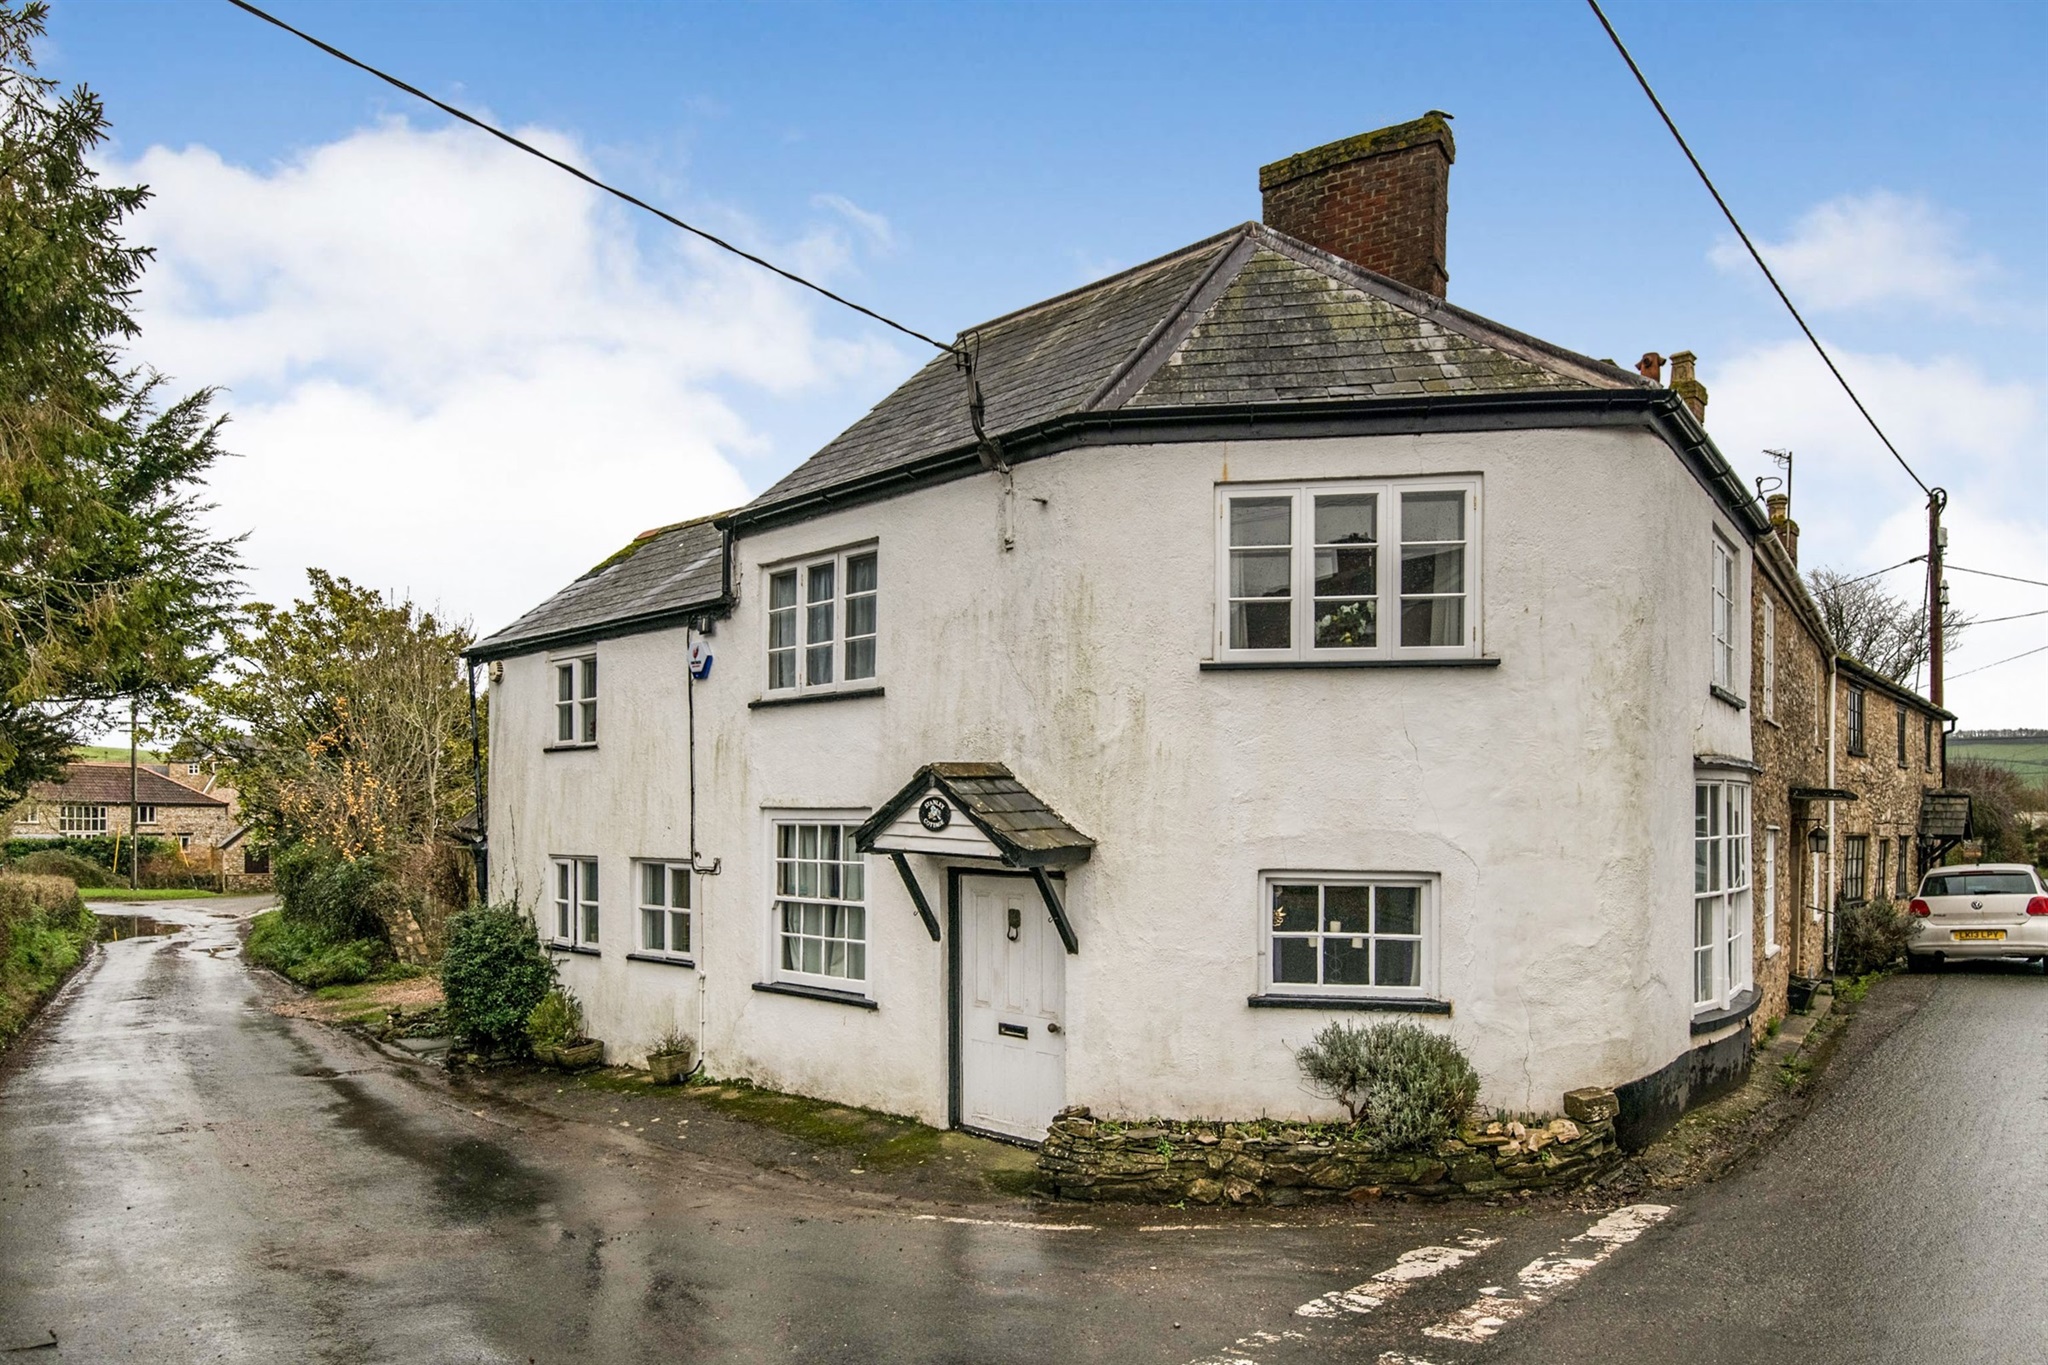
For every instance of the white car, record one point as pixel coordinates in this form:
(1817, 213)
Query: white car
(1985, 910)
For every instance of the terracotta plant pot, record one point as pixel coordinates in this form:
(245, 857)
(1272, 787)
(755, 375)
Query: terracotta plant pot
(670, 1067)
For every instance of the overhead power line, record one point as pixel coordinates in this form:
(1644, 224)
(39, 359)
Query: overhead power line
(1755, 255)
(1986, 573)
(591, 180)
(2014, 658)
(1875, 572)
(2022, 616)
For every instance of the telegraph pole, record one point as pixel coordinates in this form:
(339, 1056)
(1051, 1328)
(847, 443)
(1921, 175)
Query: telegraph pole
(134, 806)
(1937, 590)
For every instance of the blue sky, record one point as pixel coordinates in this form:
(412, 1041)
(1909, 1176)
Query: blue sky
(459, 375)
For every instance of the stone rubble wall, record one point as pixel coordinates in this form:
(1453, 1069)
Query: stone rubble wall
(1282, 1164)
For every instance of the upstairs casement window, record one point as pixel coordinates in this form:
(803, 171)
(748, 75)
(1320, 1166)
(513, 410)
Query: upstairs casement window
(1770, 661)
(1724, 615)
(145, 815)
(1856, 709)
(81, 819)
(575, 903)
(1927, 743)
(1336, 572)
(821, 622)
(1901, 711)
(1721, 898)
(576, 701)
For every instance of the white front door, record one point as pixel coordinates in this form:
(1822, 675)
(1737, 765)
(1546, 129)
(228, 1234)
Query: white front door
(1013, 996)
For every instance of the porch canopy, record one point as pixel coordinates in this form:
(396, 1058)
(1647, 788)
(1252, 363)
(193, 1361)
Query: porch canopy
(980, 811)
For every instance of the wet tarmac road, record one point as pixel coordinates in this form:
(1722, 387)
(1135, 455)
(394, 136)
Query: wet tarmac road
(190, 1177)
(1906, 1220)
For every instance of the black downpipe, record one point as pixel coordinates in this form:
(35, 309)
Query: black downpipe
(481, 849)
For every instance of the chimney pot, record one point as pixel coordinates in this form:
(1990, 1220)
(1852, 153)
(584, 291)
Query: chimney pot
(1379, 200)
(1651, 367)
(1686, 386)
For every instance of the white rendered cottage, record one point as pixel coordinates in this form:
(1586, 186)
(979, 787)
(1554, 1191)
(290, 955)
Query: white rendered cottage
(1309, 649)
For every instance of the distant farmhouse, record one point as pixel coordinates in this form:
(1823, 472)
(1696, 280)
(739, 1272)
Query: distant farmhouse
(1298, 647)
(93, 798)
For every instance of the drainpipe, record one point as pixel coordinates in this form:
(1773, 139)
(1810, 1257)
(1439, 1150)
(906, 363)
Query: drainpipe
(1827, 938)
(481, 849)
(690, 635)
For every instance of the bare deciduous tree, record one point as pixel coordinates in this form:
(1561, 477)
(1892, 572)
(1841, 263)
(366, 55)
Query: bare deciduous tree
(1877, 629)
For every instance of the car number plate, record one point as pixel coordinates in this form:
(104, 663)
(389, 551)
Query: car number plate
(1989, 935)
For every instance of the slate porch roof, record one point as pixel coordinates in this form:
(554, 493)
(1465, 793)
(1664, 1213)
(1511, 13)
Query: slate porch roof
(106, 784)
(660, 575)
(1251, 316)
(1027, 831)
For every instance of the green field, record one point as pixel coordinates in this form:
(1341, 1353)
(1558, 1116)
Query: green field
(112, 753)
(2026, 758)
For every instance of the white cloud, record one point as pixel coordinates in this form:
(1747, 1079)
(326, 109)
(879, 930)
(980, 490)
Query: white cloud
(1977, 437)
(457, 372)
(873, 226)
(1857, 251)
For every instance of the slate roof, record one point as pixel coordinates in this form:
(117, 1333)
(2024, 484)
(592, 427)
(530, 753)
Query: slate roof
(106, 784)
(1250, 316)
(659, 575)
(1027, 831)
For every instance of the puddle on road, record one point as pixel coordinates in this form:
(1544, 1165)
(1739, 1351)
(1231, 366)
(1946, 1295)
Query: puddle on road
(114, 928)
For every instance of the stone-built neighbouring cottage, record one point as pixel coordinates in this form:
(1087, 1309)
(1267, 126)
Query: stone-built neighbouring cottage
(1302, 647)
(93, 799)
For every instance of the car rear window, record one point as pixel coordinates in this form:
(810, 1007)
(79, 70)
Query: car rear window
(1979, 884)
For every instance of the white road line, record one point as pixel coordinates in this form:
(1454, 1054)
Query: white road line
(1423, 1263)
(1007, 1223)
(1496, 1307)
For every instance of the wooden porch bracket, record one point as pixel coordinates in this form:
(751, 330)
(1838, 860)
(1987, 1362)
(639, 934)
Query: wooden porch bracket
(924, 908)
(1055, 909)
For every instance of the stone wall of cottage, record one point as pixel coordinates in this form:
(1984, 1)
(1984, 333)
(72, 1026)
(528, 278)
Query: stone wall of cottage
(1888, 787)
(1788, 738)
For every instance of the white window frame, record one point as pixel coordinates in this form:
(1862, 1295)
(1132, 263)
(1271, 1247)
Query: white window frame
(1426, 937)
(1724, 613)
(29, 814)
(1387, 595)
(1771, 833)
(1723, 899)
(81, 817)
(674, 874)
(575, 698)
(836, 648)
(575, 909)
(846, 821)
(1770, 700)
(145, 813)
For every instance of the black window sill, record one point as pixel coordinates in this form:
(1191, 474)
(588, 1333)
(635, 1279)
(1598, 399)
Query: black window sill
(1723, 694)
(816, 993)
(583, 948)
(1407, 1004)
(803, 698)
(661, 961)
(1740, 1009)
(567, 748)
(1256, 665)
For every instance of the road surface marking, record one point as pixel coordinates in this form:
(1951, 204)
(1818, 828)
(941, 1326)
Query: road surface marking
(1423, 1263)
(1495, 1307)
(1007, 1223)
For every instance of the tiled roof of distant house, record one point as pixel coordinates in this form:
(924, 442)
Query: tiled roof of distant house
(106, 784)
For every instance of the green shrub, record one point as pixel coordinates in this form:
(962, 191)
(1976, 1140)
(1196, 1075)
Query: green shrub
(557, 1020)
(494, 974)
(55, 862)
(307, 955)
(1405, 1087)
(345, 899)
(44, 930)
(1870, 937)
(94, 848)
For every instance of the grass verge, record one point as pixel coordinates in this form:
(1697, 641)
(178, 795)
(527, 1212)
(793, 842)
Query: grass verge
(122, 895)
(302, 953)
(45, 931)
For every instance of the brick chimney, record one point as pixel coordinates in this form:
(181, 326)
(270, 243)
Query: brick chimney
(1686, 386)
(1779, 505)
(1379, 200)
